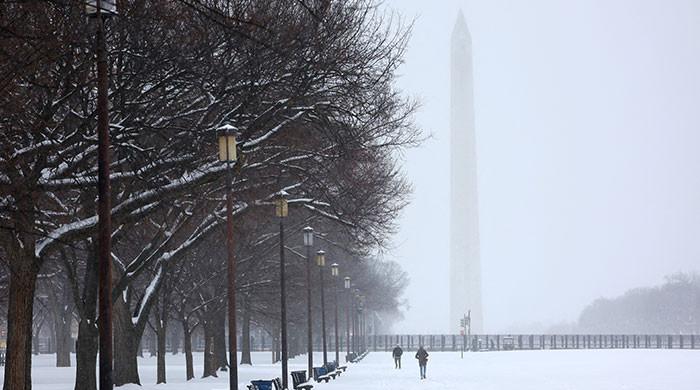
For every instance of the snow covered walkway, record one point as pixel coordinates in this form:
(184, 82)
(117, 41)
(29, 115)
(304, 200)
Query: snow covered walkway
(518, 370)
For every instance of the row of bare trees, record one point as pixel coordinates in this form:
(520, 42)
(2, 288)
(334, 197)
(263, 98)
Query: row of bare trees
(308, 83)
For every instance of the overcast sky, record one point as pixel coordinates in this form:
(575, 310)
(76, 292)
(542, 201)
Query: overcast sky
(588, 143)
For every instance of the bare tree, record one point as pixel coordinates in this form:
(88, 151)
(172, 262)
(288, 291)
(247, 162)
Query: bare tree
(309, 85)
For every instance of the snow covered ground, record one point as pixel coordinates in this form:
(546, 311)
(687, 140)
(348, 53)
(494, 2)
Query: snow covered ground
(521, 370)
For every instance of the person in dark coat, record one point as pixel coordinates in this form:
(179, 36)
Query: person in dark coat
(422, 356)
(396, 353)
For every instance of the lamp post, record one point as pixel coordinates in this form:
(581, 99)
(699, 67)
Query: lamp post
(354, 322)
(321, 262)
(309, 243)
(99, 10)
(361, 323)
(334, 273)
(347, 316)
(281, 211)
(227, 154)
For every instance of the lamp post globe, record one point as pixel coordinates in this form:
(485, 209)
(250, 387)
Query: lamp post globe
(227, 143)
(281, 204)
(104, 8)
(308, 236)
(321, 258)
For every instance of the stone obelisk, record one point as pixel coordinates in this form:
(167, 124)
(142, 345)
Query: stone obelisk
(465, 263)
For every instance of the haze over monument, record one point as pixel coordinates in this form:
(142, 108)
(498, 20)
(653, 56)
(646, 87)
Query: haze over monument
(465, 267)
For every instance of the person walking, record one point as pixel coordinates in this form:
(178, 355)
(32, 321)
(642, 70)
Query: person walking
(396, 353)
(422, 356)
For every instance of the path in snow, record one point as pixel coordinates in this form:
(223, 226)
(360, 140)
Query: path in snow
(518, 370)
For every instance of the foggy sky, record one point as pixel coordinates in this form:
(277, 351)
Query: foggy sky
(588, 147)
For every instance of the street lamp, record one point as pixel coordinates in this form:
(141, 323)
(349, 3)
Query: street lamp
(334, 273)
(227, 143)
(321, 262)
(102, 7)
(227, 153)
(365, 328)
(309, 243)
(99, 10)
(355, 322)
(281, 211)
(347, 316)
(361, 323)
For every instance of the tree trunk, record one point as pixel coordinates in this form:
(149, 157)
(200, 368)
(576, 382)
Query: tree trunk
(175, 340)
(188, 350)
(35, 337)
(87, 343)
(18, 365)
(220, 344)
(161, 329)
(51, 340)
(126, 344)
(210, 364)
(152, 344)
(245, 342)
(62, 325)
(276, 353)
(62, 320)
(86, 356)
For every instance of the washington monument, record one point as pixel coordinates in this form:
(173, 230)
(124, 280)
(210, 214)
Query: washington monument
(465, 263)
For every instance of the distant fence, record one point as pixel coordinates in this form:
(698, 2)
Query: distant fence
(486, 342)
(531, 342)
(500, 342)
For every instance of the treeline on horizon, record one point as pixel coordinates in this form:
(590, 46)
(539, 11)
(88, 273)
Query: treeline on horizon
(670, 308)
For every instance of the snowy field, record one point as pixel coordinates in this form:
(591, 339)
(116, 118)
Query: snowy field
(521, 370)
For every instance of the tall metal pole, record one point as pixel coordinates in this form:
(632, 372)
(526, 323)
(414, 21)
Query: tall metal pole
(323, 320)
(361, 326)
(364, 330)
(309, 325)
(231, 275)
(104, 209)
(347, 319)
(368, 329)
(354, 325)
(335, 303)
(284, 307)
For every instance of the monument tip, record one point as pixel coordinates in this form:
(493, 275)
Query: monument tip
(461, 24)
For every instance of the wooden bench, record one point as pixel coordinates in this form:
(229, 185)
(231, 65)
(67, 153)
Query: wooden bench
(262, 384)
(321, 374)
(350, 357)
(299, 381)
(358, 358)
(333, 367)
